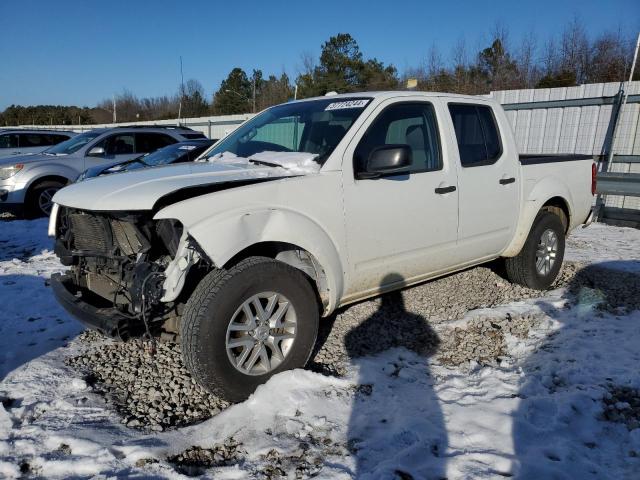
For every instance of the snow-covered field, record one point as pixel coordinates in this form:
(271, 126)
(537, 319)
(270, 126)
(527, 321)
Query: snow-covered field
(536, 413)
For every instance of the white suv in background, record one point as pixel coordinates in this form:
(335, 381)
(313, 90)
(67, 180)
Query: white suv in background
(28, 182)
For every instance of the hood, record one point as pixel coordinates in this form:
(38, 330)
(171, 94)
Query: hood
(25, 158)
(141, 189)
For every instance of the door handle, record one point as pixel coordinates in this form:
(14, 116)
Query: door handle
(506, 181)
(443, 190)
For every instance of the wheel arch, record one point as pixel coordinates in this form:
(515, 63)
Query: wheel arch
(281, 234)
(294, 256)
(560, 204)
(46, 178)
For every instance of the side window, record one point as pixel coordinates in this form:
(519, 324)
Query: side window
(121, 144)
(476, 133)
(150, 142)
(412, 124)
(32, 140)
(10, 140)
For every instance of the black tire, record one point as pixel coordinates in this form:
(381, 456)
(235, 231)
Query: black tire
(209, 312)
(522, 270)
(33, 201)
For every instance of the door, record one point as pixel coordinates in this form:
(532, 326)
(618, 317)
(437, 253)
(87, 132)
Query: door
(488, 180)
(399, 226)
(115, 148)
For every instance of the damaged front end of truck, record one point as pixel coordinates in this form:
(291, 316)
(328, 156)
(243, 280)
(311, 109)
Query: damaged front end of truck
(126, 272)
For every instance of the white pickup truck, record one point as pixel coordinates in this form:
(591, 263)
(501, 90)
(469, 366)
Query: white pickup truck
(309, 206)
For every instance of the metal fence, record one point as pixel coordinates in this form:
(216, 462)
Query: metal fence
(547, 120)
(582, 119)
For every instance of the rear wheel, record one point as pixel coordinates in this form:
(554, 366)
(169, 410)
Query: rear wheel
(39, 200)
(539, 262)
(245, 324)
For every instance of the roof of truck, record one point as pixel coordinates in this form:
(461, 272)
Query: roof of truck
(398, 93)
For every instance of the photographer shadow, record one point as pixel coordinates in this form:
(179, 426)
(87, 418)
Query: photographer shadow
(396, 428)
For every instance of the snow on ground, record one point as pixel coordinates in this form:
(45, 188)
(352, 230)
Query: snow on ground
(535, 414)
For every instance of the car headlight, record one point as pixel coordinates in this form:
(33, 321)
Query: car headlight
(6, 172)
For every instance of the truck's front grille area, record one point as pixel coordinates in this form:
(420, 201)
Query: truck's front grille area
(90, 233)
(101, 234)
(125, 236)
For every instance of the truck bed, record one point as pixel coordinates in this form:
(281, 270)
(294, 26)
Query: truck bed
(535, 158)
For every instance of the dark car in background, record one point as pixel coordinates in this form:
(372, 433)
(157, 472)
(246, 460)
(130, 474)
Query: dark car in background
(176, 153)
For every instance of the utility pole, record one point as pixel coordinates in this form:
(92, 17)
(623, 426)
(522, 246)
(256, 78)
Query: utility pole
(625, 94)
(115, 117)
(254, 93)
(616, 113)
(181, 91)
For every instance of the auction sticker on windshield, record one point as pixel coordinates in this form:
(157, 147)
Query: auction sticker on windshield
(347, 104)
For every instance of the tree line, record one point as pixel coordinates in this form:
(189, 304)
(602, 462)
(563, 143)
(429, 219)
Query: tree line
(571, 58)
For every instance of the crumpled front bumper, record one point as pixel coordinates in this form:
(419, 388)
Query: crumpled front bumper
(108, 321)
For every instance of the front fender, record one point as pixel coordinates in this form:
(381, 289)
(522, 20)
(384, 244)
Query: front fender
(536, 194)
(41, 171)
(226, 234)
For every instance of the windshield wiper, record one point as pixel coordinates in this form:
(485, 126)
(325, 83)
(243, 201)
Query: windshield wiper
(262, 162)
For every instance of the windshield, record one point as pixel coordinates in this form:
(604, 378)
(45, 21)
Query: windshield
(73, 144)
(314, 127)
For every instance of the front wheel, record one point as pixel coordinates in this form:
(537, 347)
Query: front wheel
(539, 262)
(245, 324)
(39, 201)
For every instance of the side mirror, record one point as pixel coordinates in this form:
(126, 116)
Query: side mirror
(96, 152)
(387, 159)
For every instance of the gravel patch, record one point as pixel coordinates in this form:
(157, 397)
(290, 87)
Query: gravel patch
(196, 460)
(482, 339)
(616, 291)
(157, 393)
(151, 392)
(409, 318)
(622, 405)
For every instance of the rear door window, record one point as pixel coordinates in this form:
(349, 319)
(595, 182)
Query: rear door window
(150, 142)
(121, 144)
(476, 133)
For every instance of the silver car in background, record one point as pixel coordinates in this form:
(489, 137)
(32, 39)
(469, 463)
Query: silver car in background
(28, 182)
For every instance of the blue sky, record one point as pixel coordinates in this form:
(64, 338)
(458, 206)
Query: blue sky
(80, 52)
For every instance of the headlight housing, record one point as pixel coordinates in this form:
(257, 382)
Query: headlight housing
(7, 172)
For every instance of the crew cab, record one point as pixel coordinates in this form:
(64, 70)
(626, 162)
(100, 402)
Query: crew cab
(309, 206)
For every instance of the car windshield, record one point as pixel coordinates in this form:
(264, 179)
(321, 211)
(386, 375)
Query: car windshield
(73, 144)
(165, 156)
(315, 127)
